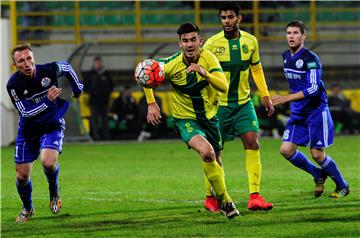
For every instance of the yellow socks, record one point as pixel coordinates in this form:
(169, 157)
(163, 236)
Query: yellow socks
(253, 168)
(215, 177)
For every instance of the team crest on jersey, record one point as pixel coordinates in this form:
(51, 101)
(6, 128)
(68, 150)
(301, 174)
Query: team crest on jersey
(245, 48)
(177, 75)
(299, 63)
(219, 50)
(45, 82)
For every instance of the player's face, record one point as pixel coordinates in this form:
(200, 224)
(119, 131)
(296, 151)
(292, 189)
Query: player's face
(190, 44)
(24, 62)
(230, 21)
(294, 37)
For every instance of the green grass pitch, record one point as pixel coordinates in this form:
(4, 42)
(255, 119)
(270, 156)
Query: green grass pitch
(155, 189)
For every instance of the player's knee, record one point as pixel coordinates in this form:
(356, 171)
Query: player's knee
(208, 155)
(49, 164)
(22, 179)
(318, 156)
(286, 152)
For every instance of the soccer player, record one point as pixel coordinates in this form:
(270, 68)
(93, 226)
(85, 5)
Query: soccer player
(310, 119)
(238, 51)
(34, 91)
(196, 78)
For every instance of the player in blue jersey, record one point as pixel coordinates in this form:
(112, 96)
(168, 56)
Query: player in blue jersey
(34, 91)
(310, 119)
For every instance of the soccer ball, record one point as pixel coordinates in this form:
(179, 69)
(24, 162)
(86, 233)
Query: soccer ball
(149, 73)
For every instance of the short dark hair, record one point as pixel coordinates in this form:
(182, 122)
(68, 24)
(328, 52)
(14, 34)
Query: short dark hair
(20, 47)
(297, 23)
(98, 57)
(230, 6)
(187, 28)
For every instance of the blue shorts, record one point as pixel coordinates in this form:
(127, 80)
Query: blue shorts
(27, 149)
(317, 127)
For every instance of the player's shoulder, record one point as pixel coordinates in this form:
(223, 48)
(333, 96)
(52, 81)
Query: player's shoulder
(311, 58)
(13, 80)
(286, 54)
(217, 36)
(171, 59)
(248, 36)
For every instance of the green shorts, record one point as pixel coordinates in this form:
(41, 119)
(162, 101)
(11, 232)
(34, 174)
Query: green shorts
(237, 120)
(209, 129)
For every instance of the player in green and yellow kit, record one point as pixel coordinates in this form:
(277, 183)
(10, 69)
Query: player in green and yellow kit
(196, 78)
(238, 53)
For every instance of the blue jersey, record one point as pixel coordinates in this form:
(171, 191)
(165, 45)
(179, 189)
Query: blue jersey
(303, 71)
(37, 113)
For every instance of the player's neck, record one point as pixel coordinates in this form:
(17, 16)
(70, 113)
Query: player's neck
(189, 60)
(232, 35)
(294, 50)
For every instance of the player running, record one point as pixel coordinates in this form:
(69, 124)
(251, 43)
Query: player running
(34, 91)
(196, 78)
(310, 119)
(238, 51)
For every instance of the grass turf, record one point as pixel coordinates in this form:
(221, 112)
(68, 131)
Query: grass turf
(155, 189)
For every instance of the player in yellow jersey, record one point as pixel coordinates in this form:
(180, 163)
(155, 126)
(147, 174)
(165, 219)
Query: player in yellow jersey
(238, 53)
(196, 78)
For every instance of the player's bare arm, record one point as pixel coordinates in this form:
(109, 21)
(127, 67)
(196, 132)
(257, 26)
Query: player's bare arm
(278, 99)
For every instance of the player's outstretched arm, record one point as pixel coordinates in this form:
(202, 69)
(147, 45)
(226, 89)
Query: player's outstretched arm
(278, 99)
(66, 70)
(153, 115)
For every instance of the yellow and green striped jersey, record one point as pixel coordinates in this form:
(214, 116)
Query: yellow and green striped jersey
(235, 56)
(192, 95)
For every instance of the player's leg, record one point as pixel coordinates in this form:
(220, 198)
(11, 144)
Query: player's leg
(51, 146)
(214, 174)
(247, 126)
(26, 151)
(211, 204)
(322, 136)
(24, 188)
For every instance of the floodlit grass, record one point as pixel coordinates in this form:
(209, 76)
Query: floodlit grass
(155, 189)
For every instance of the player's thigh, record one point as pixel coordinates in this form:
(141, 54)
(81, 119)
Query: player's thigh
(246, 120)
(296, 132)
(188, 128)
(226, 116)
(26, 149)
(321, 129)
(51, 146)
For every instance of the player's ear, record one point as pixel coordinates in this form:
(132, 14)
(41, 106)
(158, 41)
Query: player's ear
(239, 18)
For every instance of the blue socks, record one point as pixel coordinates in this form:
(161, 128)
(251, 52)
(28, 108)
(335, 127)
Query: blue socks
(25, 191)
(330, 167)
(53, 180)
(299, 160)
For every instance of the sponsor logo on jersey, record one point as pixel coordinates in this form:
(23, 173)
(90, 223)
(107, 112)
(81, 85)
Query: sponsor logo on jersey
(299, 63)
(234, 47)
(245, 48)
(311, 65)
(13, 94)
(219, 50)
(45, 82)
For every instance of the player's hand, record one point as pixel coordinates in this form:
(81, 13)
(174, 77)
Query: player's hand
(196, 68)
(153, 116)
(54, 93)
(278, 99)
(268, 105)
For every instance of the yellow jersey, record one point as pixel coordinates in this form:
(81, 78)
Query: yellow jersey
(235, 56)
(192, 95)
